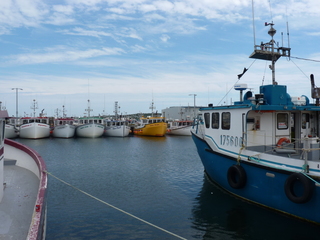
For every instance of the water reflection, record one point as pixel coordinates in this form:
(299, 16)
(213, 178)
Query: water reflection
(219, 215)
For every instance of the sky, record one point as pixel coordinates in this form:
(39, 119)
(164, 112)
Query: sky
(170, 52)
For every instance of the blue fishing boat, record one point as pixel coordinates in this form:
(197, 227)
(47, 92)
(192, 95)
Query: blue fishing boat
(264, 148)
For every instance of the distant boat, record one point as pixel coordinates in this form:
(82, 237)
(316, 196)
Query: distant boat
(264, 148)
(23, 181)
(12, 131)
(151, 126)
(34, 127)
(179, 127)
(89, 127)
(64, 128)
(116, 128)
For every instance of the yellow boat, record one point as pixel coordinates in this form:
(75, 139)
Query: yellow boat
(151, 126)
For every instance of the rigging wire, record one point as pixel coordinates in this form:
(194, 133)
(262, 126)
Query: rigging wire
(306, 59)
(299, 69)
(264, 74)
(110, 205)
(235, 83)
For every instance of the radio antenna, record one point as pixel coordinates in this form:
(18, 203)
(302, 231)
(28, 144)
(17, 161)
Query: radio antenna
(288, 32)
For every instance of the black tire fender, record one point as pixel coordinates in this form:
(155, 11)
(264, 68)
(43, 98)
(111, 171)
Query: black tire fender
(237, 177)
(308, 187)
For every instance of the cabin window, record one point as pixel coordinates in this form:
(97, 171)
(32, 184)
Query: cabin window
(305, 120)
(226, 119)
(207, 119)
(215, 120)
(282, 121)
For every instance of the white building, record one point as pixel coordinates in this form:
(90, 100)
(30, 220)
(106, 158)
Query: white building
(181, 113)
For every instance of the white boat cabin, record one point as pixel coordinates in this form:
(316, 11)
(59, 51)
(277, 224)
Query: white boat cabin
(110, 123)
(177, 124)
(271, 122)
(43, 120)
(90, 120)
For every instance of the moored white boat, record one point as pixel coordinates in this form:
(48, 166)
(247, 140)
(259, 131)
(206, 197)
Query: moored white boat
(34, 127)
(23, 182)
(11, 131)
(265, 147)
(116, 128)
(64, 128)
(179, 127)
(90, 127)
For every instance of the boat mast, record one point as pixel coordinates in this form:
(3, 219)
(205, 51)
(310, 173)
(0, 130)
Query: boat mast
(272, 32)
(268, 51)
(34, 107)
(116, 110)
(89, 109)
(152, 107)
(64, 115)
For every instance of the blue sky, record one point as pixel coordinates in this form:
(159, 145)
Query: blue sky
(64, 52)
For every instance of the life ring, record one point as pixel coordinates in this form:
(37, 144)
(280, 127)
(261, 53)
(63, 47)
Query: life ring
(237, 177)
(307, 188)
(281, 141)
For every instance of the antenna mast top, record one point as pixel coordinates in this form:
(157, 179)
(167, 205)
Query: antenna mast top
(269, 51)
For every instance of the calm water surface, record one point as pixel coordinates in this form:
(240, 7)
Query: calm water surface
(159, 180)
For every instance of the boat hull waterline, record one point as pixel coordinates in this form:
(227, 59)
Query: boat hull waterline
(11, 131)
(117, 131)
(90, 130)
(264, 185)
(154, 129)
(34, 130)
(64, 131)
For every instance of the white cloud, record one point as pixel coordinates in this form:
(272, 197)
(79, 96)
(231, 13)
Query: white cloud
(62, 56)
(65, 9)
(17, 13)
(164, 38)
(84, 32)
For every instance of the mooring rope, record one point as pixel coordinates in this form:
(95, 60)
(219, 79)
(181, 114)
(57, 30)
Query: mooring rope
(114, 207)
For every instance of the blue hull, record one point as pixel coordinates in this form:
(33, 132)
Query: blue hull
(260, 188)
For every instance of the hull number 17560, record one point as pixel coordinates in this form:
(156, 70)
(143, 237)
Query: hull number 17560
(230, 140)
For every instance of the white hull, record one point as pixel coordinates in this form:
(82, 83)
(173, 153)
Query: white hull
(64, 131)
(90, 130)
(34, 130)
(117, 131)
(11, 131)
(182, 131)
(178, 127)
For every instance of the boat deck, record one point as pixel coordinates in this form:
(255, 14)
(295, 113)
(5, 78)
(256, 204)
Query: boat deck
(17, 205)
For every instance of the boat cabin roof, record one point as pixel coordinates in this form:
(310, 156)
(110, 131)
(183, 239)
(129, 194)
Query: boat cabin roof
(271, 98)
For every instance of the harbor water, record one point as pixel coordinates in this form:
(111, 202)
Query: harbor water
(147, 188)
